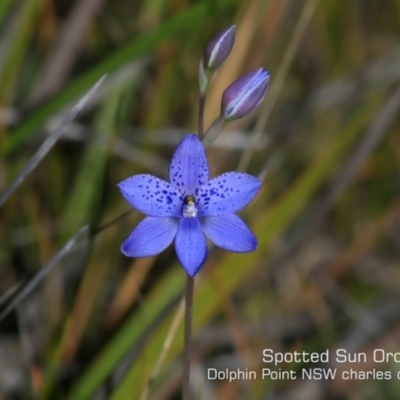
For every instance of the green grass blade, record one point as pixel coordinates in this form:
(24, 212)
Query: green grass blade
(24, 29)
(48, 144)
(126, 337)
(85, 195)
(179, 25)
(5, 5)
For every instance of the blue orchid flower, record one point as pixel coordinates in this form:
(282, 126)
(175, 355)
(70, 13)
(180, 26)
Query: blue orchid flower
(189, 208)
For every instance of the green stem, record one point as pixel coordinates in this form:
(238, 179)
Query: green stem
(188, 336)
(202, 102)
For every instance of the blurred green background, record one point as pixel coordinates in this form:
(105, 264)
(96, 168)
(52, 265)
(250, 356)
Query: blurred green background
(325, 141)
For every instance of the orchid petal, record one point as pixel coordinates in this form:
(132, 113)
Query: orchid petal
(152, 196)
(229, 232)
(190, 245)
(189, 165)
(150, 237)
(226, 194)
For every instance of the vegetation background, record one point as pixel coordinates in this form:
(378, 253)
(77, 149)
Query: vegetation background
(325, 141)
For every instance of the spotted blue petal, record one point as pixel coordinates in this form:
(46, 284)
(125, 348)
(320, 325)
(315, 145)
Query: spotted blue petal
(189, 165)
(190, 245)
(226, 194)
(229, 232)
(152, 196)
(150, 237)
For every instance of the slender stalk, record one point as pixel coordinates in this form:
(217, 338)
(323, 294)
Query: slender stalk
(202, 102)
(188, 336)
(190, 283)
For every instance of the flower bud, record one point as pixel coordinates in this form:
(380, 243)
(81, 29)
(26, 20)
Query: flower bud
(219, 48)
(244, 95)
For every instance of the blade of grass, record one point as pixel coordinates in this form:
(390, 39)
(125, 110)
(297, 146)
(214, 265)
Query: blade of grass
(128, 334)
(175, 26)
(166, 346)
(384, 118)
(66, 47)
(83, 204)
(66, 249)
(5, 5)
(22, 35)
(49, 143)
(87, 187)
(83, 200)
(277, 83)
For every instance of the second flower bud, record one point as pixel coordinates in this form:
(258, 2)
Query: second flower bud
(244, 95)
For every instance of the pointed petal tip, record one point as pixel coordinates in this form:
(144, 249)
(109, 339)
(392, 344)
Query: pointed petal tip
(189, 166)
(191, 137)
(254, 245)
(192, 267)
(125, 250)
(191, 245)
(151, 195)
(260, 73)
(229, 232)
(192, 273)
(150, 237)
(230, 192)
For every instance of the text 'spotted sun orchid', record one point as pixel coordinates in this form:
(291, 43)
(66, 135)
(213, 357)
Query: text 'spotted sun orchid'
(191, 206)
